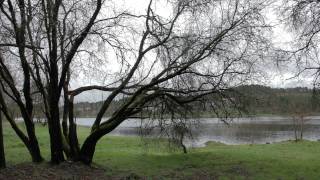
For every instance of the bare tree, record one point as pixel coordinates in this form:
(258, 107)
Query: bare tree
(299, 113)
(196, 53)
(44, 44)
(187, 64)
(302, 19)
(29, 140)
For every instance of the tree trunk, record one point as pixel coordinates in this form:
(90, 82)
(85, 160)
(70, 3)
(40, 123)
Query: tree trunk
(65, 110)
(56, 144)
(2, 155)
(73, 138)
(33, 141)
(89, 146)
(33, 144)
(65, 139)
(65, 117)
(66, 147)
(55, 141)
(301, 127)
(295, 129)
(184, 148)
(35, 152)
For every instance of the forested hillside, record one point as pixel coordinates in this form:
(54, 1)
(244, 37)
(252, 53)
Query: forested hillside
(261, 100)
(256, 99)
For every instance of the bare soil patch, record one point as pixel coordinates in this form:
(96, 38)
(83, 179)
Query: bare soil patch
(64, 171)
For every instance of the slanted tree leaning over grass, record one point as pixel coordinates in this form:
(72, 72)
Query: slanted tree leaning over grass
(198, 49)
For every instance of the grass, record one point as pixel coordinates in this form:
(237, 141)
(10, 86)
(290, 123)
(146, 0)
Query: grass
(124, 156)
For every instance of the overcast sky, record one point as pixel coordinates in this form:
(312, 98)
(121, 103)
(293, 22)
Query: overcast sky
(276, 78)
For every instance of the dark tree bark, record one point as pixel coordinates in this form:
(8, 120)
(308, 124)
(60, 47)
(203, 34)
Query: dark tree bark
(35, 151)
(184, 148)
(31, 143)
(26, 106)
(68, 147)
(65, 130)
(2, 155)
(56, 144)
(65, 112)
(89, 146)
(73, 138)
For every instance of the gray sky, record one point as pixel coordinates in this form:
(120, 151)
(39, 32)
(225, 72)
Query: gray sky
(275, 77)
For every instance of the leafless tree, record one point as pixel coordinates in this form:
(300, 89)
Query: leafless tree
(203, 49)
(298, 126)
(299, 115)
(195, 53)
(302, 19)
(41, 39)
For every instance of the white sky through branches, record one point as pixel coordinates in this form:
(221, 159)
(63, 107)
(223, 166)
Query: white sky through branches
(275, 77)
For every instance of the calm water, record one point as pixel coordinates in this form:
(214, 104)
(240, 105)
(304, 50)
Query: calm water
(257, 130)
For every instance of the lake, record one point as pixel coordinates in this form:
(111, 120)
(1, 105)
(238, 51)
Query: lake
(257, 130)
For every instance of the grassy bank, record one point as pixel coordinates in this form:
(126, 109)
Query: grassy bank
(122, 156)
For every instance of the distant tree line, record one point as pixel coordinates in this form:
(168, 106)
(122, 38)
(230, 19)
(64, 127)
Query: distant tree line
(255, 99)
(263, 100)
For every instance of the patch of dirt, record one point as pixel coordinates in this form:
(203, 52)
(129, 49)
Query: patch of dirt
(79, 171)
(64, 171)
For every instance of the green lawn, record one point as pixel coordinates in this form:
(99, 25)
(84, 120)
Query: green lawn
(122, 156)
